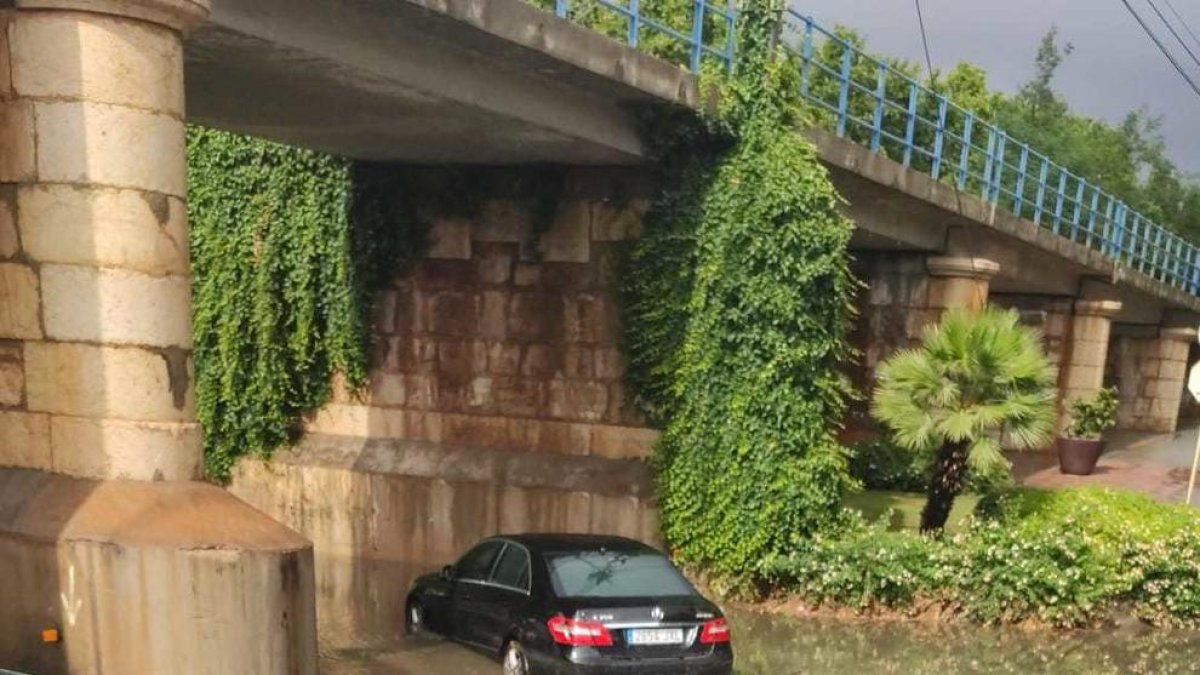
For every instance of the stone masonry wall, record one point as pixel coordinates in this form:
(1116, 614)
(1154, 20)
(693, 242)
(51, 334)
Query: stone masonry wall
(486, 343)
(1149, 371)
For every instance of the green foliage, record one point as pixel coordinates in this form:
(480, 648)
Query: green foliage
(735, 311)
(1090, 418)
(1068, 558)
(879, 464)
(286, 247)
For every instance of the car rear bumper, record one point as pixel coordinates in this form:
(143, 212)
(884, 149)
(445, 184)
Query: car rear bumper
(718, 663)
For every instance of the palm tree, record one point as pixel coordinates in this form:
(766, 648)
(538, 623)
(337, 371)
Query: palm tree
(976, 380)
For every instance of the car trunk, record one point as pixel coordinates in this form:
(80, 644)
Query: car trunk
(666, 627)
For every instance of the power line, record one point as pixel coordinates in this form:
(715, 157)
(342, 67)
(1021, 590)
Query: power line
(1171, 6)
(1171, 28)
(1162, 47)
(925, 42)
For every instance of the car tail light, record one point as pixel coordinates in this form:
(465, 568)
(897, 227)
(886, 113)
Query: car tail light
(578, 633)
(714, 631)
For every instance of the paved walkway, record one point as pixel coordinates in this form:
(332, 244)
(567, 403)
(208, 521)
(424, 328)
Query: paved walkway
(1157, 464)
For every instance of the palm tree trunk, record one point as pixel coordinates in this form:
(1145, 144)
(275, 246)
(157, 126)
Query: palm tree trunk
(948, 479)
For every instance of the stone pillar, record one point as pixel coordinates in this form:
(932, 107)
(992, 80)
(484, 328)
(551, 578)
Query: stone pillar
(1081, 370)
(1150, 366)
(156, 575)
(95, 305)
(959, 282)
(905, 293)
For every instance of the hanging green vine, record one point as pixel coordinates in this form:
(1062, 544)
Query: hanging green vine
(287, 247)
(736, 308)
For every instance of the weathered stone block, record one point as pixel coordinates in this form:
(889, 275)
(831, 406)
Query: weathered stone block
(1086, 378)
(5, 60)
(568, 238)
(422, 392)
(93, 57)
(1088, 353)
(12, 374)
(19, 299)
(526, 274)
(385, 312)
(18, 161)
(114, 382)
(610, 365)
(1173, 370)
(516, 396)
(493, 319)
(493, 264)
(9, 243)
(578, 362)
(133, 229)
(388, 389)
(532, 315)
(110, 145)
(598, 320)
(504, 359)
(460, 360)
(615, 515)
(622, 442)
(450, 238)
(116, 306)
(92, 448)
(453, 314)
(617, 221)
(25, 440)
(501, 220)
(568, 399)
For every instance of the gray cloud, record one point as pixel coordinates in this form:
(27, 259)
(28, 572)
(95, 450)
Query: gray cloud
(1115, 67)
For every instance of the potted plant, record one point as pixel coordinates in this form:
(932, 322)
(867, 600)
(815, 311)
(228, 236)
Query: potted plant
(1080, 445)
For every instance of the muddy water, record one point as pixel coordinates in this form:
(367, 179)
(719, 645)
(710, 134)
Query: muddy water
(361, 613)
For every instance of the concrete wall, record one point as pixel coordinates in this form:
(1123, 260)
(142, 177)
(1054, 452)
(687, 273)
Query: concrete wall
(496, 404)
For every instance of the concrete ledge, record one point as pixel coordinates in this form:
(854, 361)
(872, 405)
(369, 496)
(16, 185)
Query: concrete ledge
(154, 578)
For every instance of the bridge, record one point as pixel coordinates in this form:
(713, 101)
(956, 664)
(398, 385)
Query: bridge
(497, 400)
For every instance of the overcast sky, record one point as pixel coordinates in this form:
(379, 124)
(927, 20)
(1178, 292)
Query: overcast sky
(1115, 67)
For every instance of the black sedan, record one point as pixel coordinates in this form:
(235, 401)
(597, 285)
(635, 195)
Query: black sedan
(551, 604)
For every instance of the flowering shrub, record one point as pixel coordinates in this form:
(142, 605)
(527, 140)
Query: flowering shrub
(1065, 558)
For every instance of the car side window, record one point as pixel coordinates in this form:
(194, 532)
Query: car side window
(477, 563)
(513, 568)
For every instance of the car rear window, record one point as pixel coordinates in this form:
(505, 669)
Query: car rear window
(614, 574)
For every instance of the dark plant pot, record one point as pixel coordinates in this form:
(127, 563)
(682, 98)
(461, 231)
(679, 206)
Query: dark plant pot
(1078, 456)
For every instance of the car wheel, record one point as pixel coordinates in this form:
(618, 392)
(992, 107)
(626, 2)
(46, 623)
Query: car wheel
(414, 618)
(515, 662)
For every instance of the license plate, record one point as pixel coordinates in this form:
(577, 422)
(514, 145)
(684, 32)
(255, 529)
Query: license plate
(655, 636)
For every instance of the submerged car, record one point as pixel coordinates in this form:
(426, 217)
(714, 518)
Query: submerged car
(554, 604)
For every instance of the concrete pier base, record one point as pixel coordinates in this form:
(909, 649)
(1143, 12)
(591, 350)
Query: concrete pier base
(167, 578)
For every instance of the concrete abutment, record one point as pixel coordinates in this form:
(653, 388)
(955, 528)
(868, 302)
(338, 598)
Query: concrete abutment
(103, 536)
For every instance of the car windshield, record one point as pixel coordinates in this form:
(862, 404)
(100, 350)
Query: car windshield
(614, 574)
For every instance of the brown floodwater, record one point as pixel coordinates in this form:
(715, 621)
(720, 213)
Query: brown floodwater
(361, 607)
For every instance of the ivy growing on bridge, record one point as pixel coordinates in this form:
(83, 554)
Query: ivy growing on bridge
(287, 247)
(736, 307)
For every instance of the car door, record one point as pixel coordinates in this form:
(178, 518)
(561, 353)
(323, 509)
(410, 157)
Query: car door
(505, 599)
(471, 575)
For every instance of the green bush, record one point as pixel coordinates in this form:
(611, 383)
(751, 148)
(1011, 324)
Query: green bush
(879, 464)
(1068, 559)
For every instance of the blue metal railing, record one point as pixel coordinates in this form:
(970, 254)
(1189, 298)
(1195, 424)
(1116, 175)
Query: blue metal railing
(874, 103)
(709, 32)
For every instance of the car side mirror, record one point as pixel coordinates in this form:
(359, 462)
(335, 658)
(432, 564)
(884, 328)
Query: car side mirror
(448, 572)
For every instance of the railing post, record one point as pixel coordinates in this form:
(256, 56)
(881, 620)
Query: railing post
(1091, 227)
(1117, 244)
(1137, 245)
(560, 8)
(1041, 191)
(1107, 226)
(1079, 185)
(844, 92)
(806, 61)
(1019, 193)
(1156, 270)
(939, 138)
(635, 18)
(699, 11)
(880, 97)
(1176, 268)
(1058, 201)
(1195, 287)
(986, 193)
(964, 159)
(998, 173)
(910, 130)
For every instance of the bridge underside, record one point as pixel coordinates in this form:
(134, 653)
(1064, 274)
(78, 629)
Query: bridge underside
(478, 81)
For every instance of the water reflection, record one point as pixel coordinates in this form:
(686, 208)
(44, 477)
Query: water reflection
(360, 609)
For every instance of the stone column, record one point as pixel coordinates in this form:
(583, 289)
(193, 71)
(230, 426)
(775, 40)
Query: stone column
(1081, 370)
(95, 304)
(1150, 364)
(959, 282)
(158, 575)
